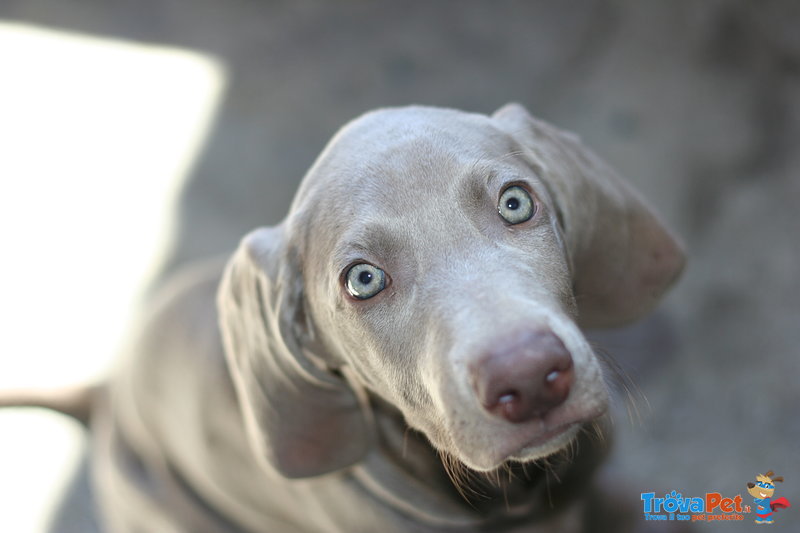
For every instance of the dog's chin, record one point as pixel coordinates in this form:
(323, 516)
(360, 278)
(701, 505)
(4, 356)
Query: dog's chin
(525, 450)
(531, 441)
(546, 444)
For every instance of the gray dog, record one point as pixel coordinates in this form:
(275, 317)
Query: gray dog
(402, 353)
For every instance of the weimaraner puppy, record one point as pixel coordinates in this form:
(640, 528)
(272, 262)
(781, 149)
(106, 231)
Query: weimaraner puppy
(415, 318)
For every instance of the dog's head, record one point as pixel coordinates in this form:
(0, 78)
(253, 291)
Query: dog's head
(443, 261)
(764, 487)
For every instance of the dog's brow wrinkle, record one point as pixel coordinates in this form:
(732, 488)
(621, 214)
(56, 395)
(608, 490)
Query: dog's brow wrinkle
(511, 154)
(374, 241)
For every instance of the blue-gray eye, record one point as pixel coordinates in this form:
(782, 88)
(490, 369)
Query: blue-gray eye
(365, 281)
(516, 205)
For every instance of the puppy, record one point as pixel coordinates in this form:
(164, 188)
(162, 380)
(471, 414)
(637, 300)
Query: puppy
(402, 353)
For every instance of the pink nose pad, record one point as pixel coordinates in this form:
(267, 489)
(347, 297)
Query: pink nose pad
(525, 378)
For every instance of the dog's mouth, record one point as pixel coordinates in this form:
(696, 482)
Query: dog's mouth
(537, 439)
(550, 437)
(558, 437)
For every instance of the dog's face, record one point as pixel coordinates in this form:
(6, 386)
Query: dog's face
(760, 490)
(435, 258)
(436, 247)
(764, 487)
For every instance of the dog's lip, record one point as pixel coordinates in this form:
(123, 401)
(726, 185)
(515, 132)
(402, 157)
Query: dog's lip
(549, 430)
(547, 436)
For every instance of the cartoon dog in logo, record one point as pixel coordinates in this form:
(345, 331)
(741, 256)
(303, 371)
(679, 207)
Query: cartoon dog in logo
(762, 491)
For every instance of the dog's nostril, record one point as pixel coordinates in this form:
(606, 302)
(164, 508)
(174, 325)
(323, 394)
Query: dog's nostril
(558, 371)
(508, 397)
(507, 405)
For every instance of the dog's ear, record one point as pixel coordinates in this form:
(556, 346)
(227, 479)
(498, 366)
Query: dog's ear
(302, 418)
(623, 257)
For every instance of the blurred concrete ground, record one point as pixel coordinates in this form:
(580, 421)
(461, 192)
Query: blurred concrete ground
(696, 103)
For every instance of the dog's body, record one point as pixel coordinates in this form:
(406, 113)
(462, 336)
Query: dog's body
(174, 455)
(432, 274)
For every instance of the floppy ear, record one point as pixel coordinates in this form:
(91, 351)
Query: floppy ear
(303, 419)
(623, 257)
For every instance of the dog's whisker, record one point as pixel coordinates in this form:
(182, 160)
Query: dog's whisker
(405, 441)
(599, 433)
(571, 450)
(555, 474)
(460, 476)
(594, 431)
(634, 398)
(526, 472)
(512, 476)
(547, 472)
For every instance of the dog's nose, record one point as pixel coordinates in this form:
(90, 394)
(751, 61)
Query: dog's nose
(524, 377)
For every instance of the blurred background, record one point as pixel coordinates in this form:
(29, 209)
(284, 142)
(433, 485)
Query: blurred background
(136, 136)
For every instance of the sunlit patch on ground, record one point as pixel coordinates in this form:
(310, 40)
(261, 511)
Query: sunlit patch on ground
(96, 137)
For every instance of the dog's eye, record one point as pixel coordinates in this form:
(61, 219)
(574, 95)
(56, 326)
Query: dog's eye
(365, 281)
(516, 205)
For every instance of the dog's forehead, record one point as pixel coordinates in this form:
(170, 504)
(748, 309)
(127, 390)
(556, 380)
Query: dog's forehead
(396, 178)
(404, 144)
(380, 132)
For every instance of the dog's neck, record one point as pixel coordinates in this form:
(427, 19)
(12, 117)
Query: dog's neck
(513, 492)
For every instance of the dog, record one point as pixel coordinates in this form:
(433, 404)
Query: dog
(402, 353)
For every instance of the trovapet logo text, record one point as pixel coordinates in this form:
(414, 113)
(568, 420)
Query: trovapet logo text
(714, 507)
(676, 506)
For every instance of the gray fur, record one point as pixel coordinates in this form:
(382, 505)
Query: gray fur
(294, 417)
